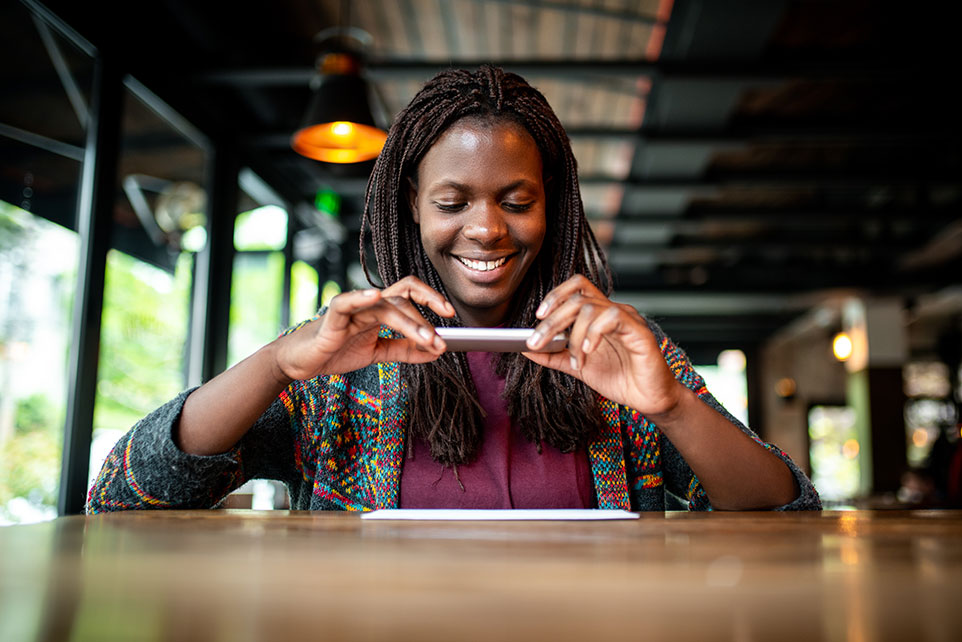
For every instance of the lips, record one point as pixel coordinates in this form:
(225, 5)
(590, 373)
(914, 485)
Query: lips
(482, 266)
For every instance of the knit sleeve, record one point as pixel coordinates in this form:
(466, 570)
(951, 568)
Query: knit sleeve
(680, 481)
(146, 469)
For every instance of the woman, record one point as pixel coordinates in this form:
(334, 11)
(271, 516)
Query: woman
(475, 218)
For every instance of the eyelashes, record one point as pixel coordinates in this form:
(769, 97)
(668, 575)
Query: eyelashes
(508, 206)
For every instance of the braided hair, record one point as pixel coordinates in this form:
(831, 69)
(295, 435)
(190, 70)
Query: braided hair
(548, 405)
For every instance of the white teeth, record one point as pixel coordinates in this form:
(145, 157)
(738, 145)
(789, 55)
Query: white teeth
(482, 266)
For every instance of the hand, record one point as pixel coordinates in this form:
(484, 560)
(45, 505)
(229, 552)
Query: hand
(610, 348)
(346, 337)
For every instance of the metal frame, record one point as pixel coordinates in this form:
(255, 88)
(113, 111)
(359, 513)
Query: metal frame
(210, 308)
(94, 218)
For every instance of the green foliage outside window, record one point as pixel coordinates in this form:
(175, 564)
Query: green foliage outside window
(143, 335)
(37, 275)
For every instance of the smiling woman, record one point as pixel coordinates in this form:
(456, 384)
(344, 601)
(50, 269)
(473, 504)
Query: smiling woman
(475, 216)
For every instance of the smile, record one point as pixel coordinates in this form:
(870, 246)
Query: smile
(482, 266)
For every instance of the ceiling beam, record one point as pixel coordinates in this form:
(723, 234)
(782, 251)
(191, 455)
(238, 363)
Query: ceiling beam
(805, 136)
(575, 70)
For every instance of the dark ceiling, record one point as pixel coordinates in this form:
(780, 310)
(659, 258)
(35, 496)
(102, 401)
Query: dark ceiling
(740, 160)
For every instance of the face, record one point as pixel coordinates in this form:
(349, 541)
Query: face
(480, 206)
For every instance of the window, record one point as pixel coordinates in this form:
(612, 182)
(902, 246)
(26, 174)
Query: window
(158, 225)
(42, 134)
(834, 452)
(257, 282)
(38, 271)
(727, 383)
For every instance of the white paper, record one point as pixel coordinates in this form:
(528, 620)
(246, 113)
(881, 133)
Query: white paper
(572, 514)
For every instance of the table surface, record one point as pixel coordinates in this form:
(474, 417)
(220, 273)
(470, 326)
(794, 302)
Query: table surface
(278, 575)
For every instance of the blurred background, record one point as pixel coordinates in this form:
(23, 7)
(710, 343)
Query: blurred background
(776, 182)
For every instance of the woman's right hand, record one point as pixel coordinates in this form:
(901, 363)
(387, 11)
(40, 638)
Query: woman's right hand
(346, 337)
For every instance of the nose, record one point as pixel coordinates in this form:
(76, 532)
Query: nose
(485, 223)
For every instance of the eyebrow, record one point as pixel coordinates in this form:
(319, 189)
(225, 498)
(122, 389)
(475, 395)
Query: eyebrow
(521, 182)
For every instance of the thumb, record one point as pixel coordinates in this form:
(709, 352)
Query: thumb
(560, 361)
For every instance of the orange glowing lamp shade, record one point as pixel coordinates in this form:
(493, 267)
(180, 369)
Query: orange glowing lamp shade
(339, 126)
(339, 142)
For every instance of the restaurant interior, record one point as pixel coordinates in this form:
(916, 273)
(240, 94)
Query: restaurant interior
(777, 183)
(773, 182)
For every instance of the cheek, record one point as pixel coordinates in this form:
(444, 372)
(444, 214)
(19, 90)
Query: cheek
(435, 236)
(536, 233)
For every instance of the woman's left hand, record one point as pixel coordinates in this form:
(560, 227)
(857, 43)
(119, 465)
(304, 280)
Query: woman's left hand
(610, 347)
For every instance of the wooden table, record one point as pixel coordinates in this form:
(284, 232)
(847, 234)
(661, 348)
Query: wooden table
(250, 575)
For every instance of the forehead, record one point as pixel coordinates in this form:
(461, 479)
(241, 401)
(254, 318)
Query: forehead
(474, 147)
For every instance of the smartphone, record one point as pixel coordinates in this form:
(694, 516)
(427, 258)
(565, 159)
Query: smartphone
(496, 340)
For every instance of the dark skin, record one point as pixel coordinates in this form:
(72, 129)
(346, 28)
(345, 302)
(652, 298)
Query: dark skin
(479, 201)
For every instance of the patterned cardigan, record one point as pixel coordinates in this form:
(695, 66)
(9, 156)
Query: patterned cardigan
(337, 442)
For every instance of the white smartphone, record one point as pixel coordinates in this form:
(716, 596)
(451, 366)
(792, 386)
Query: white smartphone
(496, 340)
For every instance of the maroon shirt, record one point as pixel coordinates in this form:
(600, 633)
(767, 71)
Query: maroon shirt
(509, 472)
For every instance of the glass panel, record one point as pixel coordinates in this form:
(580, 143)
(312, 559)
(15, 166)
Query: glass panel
(263, 228)
(147, 295)
(43, 117)
(255, 302)
(726, 382)
(38, 271)
(143, 337)
(304, 285)
(833, 451)
(257, 281)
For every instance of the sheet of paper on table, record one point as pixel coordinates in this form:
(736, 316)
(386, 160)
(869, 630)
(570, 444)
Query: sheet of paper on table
(566, 514)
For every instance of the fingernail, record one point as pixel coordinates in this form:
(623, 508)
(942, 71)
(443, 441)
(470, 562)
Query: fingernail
(370, 292)
(586, 346)
(541, 309)
(574, 363)
(535, 339)
(439, 343)
(426, 334)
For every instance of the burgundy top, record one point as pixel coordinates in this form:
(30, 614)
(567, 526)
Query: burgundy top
(509, 472)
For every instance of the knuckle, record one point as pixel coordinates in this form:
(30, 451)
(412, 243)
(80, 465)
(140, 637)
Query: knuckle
(614, 312)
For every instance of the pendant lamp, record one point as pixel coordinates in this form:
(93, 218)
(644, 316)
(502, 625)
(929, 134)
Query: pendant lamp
(339, 126)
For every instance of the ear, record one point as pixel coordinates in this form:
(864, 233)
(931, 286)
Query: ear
(413, 200)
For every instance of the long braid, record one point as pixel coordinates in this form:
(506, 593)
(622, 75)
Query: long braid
(548, 405)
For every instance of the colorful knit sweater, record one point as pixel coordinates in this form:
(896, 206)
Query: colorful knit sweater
(337, 442)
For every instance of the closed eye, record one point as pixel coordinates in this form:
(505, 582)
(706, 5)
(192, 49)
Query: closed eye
(450, 207)
(517, 207)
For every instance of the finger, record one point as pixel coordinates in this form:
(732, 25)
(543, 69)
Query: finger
(624, 325)
(561, 318)
(400, 315)
(413, 288)
(560, 361)
(578, 284)
(422, 328)
(608, 322)
(345, 305)
(403, 350)
(579, 330)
